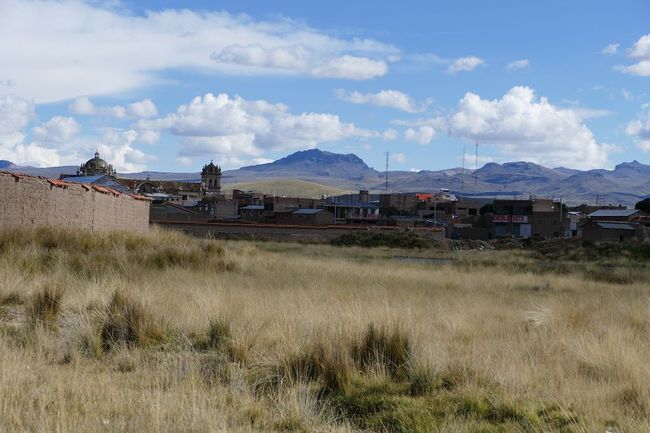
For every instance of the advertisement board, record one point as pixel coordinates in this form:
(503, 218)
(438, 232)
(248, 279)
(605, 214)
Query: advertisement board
(517, 219)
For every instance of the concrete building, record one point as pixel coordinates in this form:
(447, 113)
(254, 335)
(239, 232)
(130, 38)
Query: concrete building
(596, 231)
(305, 216)
(354, 208)
(614, 214)
(539, 218)
(549, 219)
(401, 204)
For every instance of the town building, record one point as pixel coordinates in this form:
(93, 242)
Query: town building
(538, 218)
(305, 216)
(596, 231)
(354, 208)
(614, 214)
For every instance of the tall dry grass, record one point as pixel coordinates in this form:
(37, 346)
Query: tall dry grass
(163, 332)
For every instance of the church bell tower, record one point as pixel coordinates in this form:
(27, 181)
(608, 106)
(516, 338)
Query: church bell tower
(211, 178)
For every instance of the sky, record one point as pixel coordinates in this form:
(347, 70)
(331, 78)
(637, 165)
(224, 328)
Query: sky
(171, 85)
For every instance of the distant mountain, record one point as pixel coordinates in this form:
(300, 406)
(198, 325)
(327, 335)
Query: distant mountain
(49, 172)
(316, 162)
(628, 183)
(5, 164)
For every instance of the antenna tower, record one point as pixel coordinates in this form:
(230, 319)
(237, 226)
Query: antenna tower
(476, 164)
(462, 173)
(386, 185)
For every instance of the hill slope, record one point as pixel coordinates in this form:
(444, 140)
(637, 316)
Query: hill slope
(286, 187)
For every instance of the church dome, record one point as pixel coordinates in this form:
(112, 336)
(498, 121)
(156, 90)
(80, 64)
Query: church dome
(96, 163)
(95, 166)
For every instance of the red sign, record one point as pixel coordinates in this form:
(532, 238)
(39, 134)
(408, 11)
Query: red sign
(517, 219)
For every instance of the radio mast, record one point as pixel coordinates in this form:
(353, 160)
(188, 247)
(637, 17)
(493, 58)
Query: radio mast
(462, 173)
(386, 185)
(476, 164)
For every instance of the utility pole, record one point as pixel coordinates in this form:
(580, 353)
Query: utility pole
(386, 185)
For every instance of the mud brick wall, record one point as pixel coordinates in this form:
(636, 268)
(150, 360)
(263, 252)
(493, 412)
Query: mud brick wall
(27, 201)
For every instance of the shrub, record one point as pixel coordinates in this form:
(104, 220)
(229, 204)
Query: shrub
(391, 239)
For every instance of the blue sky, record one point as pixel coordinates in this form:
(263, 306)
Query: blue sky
(170, 85)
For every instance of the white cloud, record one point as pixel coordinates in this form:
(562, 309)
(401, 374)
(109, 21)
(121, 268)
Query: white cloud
(525, 127)
(184, 161)
(384, 98)
(148, 137)
(15, 114)
(145, 108)
(84, 106)
(639, 129)
(465, 64)
(518, 64)
(106, 51)
(420, 135)
(56, 141)
(301, 60)
(390, 134)
(627, 95)
(117, 147)
(351, 67)
(398, 157)
(57, 130)
(291, 58)
(610, 49)
(640, 51)
(641, 48)
(221, 125)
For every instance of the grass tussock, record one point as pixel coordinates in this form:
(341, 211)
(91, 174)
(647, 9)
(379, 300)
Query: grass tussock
(129, 324)
(44, 306)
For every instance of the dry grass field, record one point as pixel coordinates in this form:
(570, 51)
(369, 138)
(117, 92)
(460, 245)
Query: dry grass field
(165, 333)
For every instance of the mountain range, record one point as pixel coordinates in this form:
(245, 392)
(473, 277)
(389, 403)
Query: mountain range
(627, 183)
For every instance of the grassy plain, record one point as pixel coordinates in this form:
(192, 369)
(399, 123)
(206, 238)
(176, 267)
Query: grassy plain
(165, 333)
(287, 187)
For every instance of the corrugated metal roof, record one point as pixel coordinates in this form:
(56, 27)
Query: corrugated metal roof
(613, 213)
(253, 207)
(615, 226)
(307, 211)
(84, 179)
(101, 179)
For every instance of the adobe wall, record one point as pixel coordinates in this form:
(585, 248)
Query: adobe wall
(276, 232)
(27, 201)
